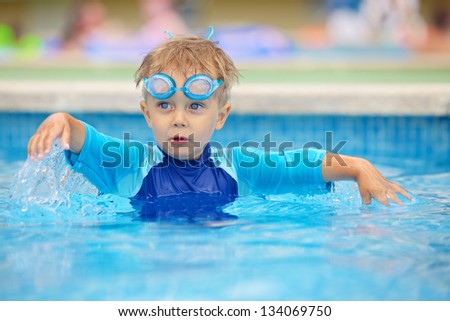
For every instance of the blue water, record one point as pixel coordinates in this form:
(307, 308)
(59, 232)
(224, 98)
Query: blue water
(60, 245)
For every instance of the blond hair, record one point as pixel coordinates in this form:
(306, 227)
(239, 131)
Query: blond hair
(191, 54)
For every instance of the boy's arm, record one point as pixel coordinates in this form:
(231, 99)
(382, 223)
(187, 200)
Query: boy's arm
(370, 182)
(112, 165)
(58, 125)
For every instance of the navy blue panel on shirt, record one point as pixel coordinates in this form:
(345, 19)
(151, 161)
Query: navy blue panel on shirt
(201, 208)
(175, 177)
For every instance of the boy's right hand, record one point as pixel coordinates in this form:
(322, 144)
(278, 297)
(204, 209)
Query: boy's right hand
(59, 125)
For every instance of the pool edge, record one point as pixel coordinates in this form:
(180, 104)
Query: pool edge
(320, 99)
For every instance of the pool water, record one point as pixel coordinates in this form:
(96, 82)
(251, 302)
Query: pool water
(62, 242)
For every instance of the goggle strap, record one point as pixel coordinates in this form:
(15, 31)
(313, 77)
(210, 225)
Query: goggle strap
(168, 33)
(208, 37)
(210, 34)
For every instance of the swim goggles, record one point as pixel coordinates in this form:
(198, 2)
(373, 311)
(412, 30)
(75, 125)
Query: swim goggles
(196, 87)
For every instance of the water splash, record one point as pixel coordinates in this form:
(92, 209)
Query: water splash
(50, 186)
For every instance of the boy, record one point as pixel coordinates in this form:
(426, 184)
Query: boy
(186, 88)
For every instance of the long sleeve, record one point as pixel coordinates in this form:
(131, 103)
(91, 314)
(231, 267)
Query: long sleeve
(290, 171)
(113, 165)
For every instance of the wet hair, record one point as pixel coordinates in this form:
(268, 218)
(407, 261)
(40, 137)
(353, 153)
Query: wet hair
(191, 54)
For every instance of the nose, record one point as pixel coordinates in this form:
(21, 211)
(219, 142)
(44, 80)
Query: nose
(179, 118)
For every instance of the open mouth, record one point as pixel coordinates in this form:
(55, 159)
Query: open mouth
(177, 139)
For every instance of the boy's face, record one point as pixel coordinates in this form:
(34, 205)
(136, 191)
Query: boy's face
(181, 126)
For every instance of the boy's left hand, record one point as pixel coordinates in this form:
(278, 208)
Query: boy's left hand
(372, 184)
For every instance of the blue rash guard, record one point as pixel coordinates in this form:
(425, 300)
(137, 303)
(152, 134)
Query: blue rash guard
(132, 169)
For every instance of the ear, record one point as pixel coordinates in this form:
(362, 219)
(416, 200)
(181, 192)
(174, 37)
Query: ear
(146, 113)
(223, 115)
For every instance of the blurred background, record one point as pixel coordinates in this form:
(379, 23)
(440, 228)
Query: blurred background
(120, 32)
(371, 57)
